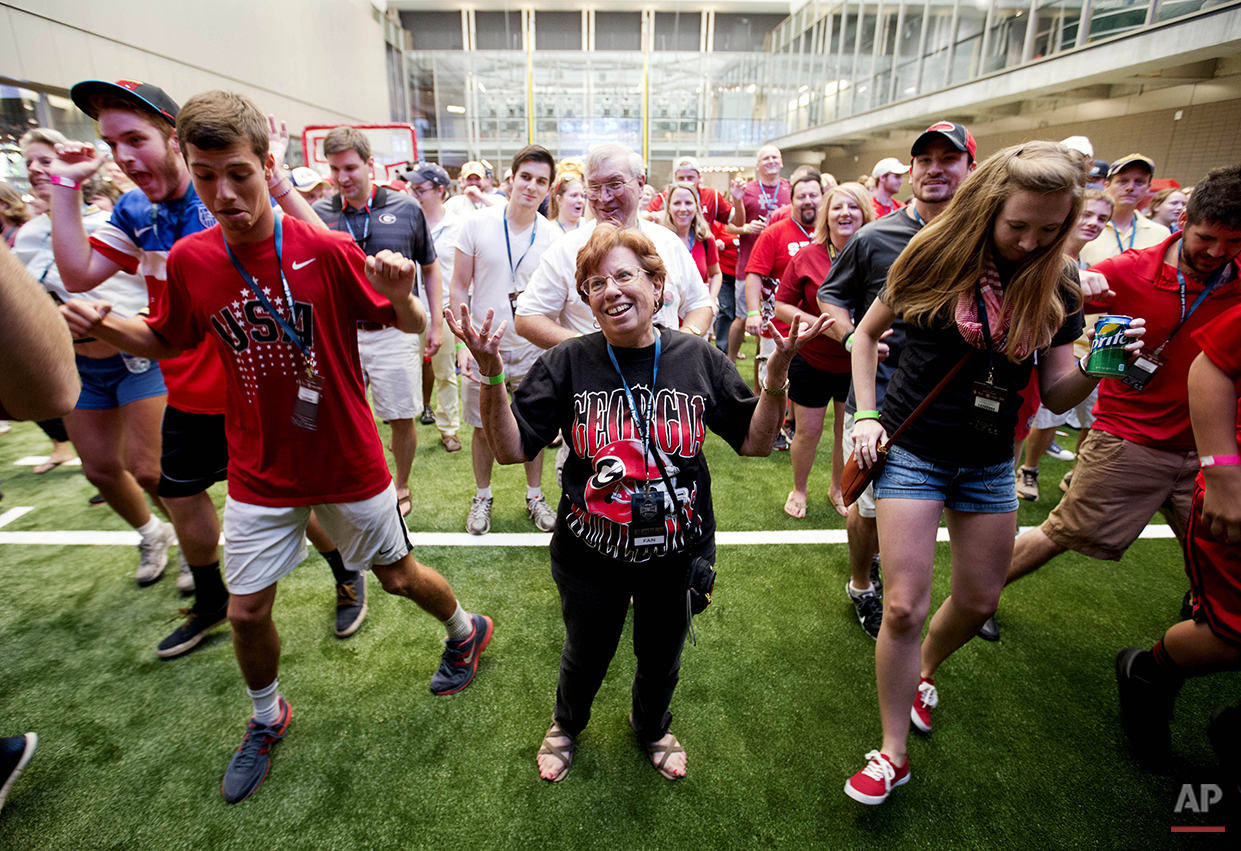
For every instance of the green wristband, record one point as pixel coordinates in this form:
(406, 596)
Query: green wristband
(752, 313)
(493, 379)
(460, 346)
(865, 415)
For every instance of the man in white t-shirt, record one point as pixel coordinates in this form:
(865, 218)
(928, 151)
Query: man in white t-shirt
(550, 310)
(497, 250)
(429, 184)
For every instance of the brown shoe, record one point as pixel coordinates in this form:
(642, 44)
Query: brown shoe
(451, 442)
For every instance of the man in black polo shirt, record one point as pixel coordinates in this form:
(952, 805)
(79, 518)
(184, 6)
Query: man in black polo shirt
(940, 159)
(377, 219)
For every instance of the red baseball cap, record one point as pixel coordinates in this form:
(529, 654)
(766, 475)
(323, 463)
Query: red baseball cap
(960, 138)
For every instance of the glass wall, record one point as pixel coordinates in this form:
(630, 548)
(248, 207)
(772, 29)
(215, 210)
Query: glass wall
(830, 60)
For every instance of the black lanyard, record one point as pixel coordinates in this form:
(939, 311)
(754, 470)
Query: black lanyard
(642, 424)
(986, 334)
(288, 294)
(534, 231)
(180, 220)
(1220, 278)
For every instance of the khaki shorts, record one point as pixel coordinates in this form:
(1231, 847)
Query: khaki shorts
(865, 502)
(1117, 487)
(517, 362)
(392, 366)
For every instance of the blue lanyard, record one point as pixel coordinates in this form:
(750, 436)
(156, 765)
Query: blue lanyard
(921, 221)
(288, 295)
(534, 231)
(802, 229)
(366, 233)
(1221, 277)
(1132, 234)
(642, 424)
(764, 202)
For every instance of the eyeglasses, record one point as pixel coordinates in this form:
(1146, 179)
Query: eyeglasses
(611, 190)
(419, 191)
(622, 278)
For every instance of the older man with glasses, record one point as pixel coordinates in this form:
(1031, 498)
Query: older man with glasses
(550, 309)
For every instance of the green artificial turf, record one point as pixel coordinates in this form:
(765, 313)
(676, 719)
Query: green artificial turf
(776, 705)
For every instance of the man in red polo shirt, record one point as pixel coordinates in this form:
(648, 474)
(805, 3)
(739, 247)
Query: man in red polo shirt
(1144, 435)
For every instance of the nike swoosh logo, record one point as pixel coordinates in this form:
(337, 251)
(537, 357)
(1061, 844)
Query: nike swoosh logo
(304, 263)
(141, 231)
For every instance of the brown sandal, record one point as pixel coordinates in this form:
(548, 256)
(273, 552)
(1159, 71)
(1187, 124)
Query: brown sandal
(660, 753)
(564, 753)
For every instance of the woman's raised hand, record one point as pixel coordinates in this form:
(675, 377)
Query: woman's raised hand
(484, 346)
(788, 346)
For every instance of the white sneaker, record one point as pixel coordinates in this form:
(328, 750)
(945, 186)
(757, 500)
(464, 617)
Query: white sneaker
(541, 513)
(153, 554)
(185, 576)
(1059, 452)
(478, 521)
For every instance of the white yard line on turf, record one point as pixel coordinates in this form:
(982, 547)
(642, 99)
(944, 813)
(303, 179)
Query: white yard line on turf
(499, 539)
(15, 512)
(36, 460)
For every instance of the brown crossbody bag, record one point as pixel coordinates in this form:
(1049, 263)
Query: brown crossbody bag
(854, 480)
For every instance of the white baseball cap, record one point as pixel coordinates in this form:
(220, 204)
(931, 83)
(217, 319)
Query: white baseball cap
(888, 165)
(1080, 143)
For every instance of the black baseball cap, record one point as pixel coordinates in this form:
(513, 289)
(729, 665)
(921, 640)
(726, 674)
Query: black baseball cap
(960, 138)
(144, 95)
(1098, 169)
(422, 172)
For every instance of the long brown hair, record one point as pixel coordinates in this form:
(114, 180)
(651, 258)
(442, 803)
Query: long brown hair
(946, 259)
(698, 225)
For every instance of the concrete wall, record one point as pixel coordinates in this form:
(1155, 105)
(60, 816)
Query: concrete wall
(1204, 138)
(314, 62)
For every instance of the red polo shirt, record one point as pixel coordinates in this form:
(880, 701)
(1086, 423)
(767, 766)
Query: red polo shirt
(1145, 286)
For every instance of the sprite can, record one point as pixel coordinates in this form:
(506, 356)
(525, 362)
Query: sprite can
(1108, 358)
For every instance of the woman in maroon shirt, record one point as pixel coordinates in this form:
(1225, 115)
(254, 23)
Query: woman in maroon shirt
(819, 373)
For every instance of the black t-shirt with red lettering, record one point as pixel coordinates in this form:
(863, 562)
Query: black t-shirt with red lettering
(574, 390)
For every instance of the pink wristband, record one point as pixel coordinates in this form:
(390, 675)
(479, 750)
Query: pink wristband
(57, 180)
(1219, 461)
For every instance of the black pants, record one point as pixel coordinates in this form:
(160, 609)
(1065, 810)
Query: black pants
(594, 599)
(55, 429)
(728, 312)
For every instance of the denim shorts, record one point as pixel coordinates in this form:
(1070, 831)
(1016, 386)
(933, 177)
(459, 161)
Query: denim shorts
(979, 490)
(108, 383)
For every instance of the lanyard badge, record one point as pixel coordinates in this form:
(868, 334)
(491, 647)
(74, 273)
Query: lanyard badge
(513, 267)
(309, 383)
(649, 514)
(988, 398)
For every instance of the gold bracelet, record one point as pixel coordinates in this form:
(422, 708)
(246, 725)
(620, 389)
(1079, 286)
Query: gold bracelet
(779, 391)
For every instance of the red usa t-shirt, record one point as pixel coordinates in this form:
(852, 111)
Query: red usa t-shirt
(1220, 341)
(271, 461)
(1145, 286)
(799, 286)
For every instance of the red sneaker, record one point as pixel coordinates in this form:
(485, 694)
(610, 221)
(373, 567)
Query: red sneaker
(875, 782)
(928, 699)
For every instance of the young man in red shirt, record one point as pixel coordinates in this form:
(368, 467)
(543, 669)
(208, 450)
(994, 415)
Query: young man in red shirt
(888, 174)
(282, 301)
(1143, 434)
(715, 207)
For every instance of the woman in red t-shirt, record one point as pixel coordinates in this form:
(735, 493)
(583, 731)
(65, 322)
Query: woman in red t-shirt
(819, 373)
(684, 217)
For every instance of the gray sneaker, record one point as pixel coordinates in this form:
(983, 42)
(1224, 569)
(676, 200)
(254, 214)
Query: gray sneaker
(478, 521)
(543, 515)
(185, 576)
(1027, 483)
(153, 554)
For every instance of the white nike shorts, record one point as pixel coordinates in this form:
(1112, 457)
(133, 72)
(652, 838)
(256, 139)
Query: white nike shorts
(263, 544)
